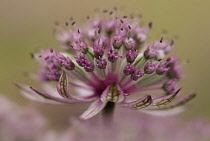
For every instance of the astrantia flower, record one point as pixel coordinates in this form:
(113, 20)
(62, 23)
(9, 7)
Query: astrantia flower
(110, 62)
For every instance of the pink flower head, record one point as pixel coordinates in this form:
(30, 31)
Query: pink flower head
(110, 62)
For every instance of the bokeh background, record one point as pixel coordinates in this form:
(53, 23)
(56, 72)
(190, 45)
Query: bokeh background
(27, 24)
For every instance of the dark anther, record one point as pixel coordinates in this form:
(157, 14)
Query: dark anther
(46, 58)
(32, 55)
(51, 50)
(73, 23)
(161, 40)
(172, 42)
(150, 25)
(67, 23)
(105, 11)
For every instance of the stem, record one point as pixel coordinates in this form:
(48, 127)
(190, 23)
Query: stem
(108, 111)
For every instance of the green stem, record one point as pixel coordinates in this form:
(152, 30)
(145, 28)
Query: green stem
(108, 111)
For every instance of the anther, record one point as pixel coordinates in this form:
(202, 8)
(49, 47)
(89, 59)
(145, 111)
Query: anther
(67, 23)
(105, 11)
(32, 55)
(150, 25)
(51, 50)
(161, 40)
(73, 23)
(172, 42)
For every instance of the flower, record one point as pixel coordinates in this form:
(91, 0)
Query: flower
(110, 62)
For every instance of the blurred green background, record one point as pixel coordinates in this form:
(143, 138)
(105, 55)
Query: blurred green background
(26, 24)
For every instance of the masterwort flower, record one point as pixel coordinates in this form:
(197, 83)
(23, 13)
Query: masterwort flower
(109, 61)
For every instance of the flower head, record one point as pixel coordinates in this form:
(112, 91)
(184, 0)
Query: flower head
(110, 61)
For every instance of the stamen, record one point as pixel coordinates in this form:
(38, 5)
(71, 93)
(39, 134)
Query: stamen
(161, 40)
(150, 25)
(105, 11)
(73, 23)
(67, 23)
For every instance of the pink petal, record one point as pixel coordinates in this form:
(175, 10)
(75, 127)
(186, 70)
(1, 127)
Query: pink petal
(141, 103)
(50, 97)
(63, 86)
(93, 109)
(39, 96)
(164, 100)
(179, 102)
